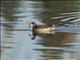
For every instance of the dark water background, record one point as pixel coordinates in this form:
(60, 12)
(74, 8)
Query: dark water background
(16, 17)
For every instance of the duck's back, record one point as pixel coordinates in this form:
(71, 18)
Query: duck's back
(45, 30)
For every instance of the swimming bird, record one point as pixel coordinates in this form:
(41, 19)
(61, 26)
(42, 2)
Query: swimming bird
(42, 29)
(37, 29)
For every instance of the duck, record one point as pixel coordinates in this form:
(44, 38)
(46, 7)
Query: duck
(42, 29)
(37, 29)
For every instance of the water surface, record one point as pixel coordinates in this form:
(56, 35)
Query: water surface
(15, 40)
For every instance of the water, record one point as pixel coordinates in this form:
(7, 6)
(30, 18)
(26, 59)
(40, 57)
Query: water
(15, 40)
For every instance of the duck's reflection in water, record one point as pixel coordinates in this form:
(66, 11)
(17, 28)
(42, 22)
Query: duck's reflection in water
(60, 46)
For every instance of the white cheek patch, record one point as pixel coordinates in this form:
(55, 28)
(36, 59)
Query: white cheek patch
(31, 25)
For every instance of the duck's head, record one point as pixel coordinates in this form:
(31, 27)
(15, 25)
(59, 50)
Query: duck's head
(33, 24)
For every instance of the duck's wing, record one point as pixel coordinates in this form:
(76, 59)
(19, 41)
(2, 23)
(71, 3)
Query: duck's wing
(41, 26)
